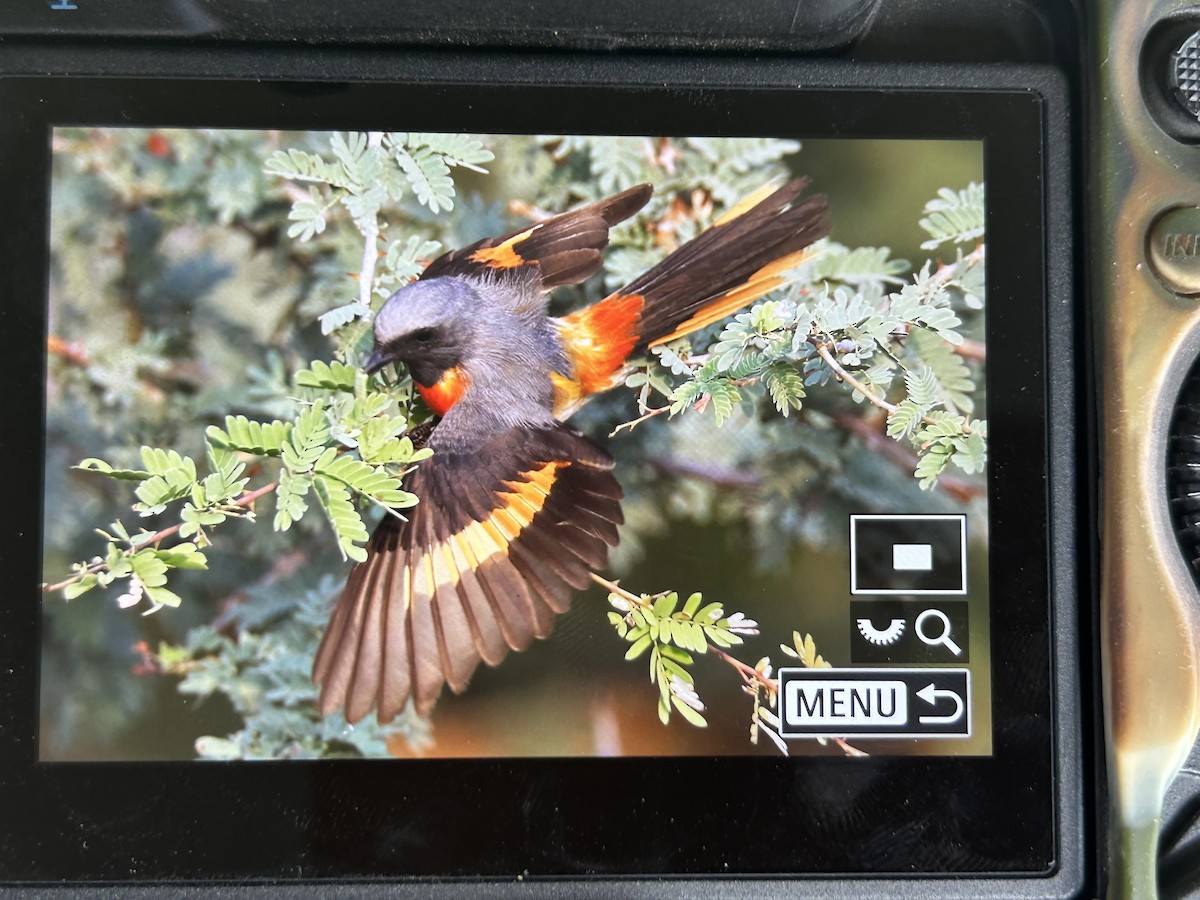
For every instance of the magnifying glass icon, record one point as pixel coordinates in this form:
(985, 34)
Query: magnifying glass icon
(942, 636)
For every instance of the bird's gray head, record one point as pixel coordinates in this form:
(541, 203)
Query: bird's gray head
(428, 326)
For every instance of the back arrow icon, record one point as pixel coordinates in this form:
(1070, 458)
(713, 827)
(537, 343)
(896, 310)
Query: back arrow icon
(931, 695)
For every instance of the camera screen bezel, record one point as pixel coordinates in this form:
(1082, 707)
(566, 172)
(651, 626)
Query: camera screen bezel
(558, 817)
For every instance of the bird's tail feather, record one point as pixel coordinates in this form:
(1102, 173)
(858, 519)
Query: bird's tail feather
(730, 265)
(724, 269)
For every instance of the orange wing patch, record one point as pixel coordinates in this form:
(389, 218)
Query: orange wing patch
(505, 255)
(599, 339)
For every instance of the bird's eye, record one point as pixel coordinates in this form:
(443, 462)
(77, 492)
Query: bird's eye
(423, 336)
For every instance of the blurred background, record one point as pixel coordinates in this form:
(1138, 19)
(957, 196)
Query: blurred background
(177, 297)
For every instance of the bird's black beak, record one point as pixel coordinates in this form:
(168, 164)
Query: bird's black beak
(376, 361)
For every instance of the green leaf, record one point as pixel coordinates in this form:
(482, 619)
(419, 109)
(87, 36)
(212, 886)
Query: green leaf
(664, 684)
(92, 464)
(922, 386)
(457, 149)
(172, 478)
(620, 164)
(427, 172)
(149, 569)
(954, 382)
(943, 320)
(183, 556)
(82, 586)
(670, 667)
(785, 386)
(405, 259)
(688, 713)
(298, 165)
(678, 654)
(258, 438)
(332, 376)
(160, 596)
(862, 265)
(347, 524)
(721, 637)
(307, 218)
(970, 452)
(931, 464)
(341, 316)
(290, 505)
(378, 443)
(693, 604)
(306, 442)
(116, 562)
(363, 204)
(684, 396)
(165, 462)
(954, 216)
(724, 399)
(904, 419)
(638, 647)
(665, 605)
(664, 710)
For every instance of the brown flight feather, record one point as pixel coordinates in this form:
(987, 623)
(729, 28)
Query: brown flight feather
(504, 535)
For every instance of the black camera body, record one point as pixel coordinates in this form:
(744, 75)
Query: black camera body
(1060, 646)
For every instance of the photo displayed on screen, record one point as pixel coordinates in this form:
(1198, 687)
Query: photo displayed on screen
(396, 444)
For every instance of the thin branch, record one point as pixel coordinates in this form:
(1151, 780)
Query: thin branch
(615, 588)
(823, 351)
(370, 254)
(73, 352)
(638, 421)
(243, 501)
(949, 271)
(725, 477)
(748, 673)
(970, 349)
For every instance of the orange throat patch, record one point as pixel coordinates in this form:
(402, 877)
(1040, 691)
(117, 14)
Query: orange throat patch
(446, 391)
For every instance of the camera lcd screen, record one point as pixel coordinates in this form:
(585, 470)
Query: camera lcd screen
(787, 496)
(605, 439)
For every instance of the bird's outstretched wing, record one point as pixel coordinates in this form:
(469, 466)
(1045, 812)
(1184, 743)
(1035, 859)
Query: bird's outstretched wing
(565, 249)
(503, 535)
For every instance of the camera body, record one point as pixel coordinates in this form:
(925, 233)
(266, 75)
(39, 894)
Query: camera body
(1091, 657)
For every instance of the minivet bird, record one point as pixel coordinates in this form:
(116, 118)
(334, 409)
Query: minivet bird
(517, 508)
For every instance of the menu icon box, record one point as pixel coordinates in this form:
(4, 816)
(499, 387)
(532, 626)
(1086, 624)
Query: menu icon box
(920, 554)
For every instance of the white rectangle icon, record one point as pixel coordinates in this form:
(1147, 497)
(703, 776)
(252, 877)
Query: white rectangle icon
(845, 703)
(912, 557)
(910, 562)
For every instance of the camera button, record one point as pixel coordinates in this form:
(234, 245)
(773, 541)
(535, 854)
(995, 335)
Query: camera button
(1185, 74)
(1173, 248)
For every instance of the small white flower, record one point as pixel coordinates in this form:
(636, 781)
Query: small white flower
(686, 693)
(133, 596)
(739, 624)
